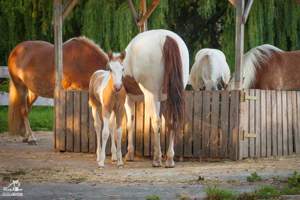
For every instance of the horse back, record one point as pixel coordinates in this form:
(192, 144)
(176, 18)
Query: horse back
(280, 71)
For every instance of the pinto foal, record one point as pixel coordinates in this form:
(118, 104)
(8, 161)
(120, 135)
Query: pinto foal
(107, 97)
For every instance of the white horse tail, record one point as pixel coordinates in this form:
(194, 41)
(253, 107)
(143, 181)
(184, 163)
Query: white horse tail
(173, 81)
(253, 59)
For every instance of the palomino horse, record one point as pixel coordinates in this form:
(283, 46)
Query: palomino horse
(210, 70)
(158, 60)
(267, 67)
(32, 71)
(107, 97)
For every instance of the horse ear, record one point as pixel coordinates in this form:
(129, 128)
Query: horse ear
(123, 54)
(110, 55)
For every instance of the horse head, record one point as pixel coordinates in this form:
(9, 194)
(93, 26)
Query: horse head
(115, 65)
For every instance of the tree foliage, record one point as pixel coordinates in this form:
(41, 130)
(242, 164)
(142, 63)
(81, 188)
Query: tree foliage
(201, 23)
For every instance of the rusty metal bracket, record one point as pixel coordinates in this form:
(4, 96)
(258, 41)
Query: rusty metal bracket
(246, 135)
(245, 97)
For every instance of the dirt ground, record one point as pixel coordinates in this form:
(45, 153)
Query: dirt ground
(46, 173)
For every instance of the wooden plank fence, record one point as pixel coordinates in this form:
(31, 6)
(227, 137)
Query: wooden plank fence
(218, 125)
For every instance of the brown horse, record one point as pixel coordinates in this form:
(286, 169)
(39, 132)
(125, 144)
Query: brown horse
(267, 67)
(32, 71)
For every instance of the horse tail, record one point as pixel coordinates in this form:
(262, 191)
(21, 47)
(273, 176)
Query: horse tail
(173, 82)
(17, 102)
(254, 59)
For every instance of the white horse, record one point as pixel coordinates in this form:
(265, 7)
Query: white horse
(210, 70)
(158, 60)
(107, 98)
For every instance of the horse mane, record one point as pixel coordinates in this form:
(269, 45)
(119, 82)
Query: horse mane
(89, 42)
(173, 82)
(253, 59)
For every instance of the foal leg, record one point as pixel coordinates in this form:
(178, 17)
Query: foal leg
(119, 116)
(97, 125)
(129, 107)
(112, 135)
(105, 135)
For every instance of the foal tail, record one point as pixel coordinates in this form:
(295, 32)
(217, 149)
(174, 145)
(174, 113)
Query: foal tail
(253, 59)
(17, 102)
(173, 82)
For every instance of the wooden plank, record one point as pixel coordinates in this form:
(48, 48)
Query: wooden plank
(263, 124)
(251, 124)
(258, 124)
(206, 124)
(269, 123)
(147, 135)
(295, 119)
(92, 133)
(224, 124)
(244, 118)
(197, 125)
(274, 124)
(188, 124)
(279, 124)
(139, 126)
(4, 72)
(69, 121)
(297, 136)
(290, 122)
(61, 121)
(84, 123)
(214, 136)
(234, 124)
(284, 123)
(77, 113)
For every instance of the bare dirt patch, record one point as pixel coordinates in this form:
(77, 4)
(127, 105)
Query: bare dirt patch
(41, 164)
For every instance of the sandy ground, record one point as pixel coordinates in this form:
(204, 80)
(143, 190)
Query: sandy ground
(52, 175)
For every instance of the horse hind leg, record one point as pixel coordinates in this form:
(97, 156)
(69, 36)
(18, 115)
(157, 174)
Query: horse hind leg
(29, 137)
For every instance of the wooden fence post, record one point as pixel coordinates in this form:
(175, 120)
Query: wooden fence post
(58, 136)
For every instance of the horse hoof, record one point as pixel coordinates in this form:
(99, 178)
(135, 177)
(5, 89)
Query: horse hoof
(129, 157)
(32, 142)
(170, 164)
(114, 159)
(120, 165)
(101, 165)
(25, 140)
(156, 163)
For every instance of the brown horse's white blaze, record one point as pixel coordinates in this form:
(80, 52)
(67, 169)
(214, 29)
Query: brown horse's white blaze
(158, 61)
(107, 97)
(32, 72)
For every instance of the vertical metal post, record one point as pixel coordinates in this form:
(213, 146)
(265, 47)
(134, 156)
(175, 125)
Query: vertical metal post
(239, 44)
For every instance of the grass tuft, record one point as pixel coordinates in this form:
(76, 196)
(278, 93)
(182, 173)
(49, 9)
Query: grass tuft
(214, 193)
(254, 177)
(152, 197)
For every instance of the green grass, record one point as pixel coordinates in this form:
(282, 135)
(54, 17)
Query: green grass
(293, 186)
(152, 197)
(40, 117)
(214, 193)
(254, 177)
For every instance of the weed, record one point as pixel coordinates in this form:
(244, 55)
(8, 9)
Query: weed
(254, 177)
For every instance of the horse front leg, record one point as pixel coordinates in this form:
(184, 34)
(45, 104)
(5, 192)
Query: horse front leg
(105, 135)
(97, 125)
(119, 116)
(129, 107)
(112, 135)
